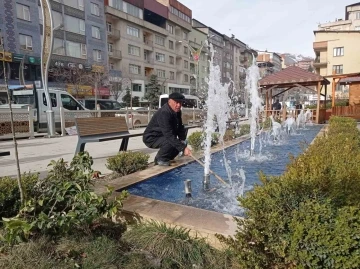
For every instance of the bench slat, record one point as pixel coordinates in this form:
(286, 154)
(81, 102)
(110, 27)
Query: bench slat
(99, 126)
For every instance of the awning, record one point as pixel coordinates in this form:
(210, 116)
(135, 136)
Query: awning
(349, 80)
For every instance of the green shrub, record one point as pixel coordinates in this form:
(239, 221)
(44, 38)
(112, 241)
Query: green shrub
(65, 201)
(271, 235)
(244, 129)
(214, 139)
(10, 194)
(128, 162)
(195, 140)
(229, 135)
(325, 237)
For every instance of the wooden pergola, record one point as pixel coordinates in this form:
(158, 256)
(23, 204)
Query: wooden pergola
(292, 77)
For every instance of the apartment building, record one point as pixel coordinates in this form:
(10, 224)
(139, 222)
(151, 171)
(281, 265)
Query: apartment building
(79, 39)
(269, 62)
(337, 53)
(350, 23)
(148, 37)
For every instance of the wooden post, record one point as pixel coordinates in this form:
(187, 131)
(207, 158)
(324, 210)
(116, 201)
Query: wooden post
(318, 103)
(267, 103)
(325, 94)
(333, 92)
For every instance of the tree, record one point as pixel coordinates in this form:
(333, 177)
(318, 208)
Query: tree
(127, 99)
(153, 91)
(116, 90)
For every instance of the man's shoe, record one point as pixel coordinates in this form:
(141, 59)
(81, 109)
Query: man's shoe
(161, 163)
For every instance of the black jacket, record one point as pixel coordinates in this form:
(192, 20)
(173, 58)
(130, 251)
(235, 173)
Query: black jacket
(167, 123)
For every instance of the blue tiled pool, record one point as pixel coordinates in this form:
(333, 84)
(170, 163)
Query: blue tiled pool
(275, 156)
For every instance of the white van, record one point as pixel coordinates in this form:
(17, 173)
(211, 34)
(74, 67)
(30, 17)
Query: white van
(191, 101)
(36, 99)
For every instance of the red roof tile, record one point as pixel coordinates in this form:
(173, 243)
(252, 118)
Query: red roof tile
(291, 75)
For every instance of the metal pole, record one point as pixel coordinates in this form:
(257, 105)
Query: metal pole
(46, 50)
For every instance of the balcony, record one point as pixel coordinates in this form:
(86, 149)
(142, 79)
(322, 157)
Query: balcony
(149, 61)
(114, 34)
(320, 45)
(115, 54)
(320, 62)
(149, 44)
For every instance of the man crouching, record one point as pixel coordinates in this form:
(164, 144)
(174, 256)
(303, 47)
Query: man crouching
(166, 131)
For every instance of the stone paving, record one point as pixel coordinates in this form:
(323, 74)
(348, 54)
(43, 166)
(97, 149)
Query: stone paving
(35, 154)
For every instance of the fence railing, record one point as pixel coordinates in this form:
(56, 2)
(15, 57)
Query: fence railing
(23, 121)
(283, 114)
(134, 118)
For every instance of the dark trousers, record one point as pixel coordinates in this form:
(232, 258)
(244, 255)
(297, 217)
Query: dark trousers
(166, 153)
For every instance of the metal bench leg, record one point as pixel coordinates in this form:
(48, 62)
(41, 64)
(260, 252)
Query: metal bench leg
(80, 146)
(124, 144)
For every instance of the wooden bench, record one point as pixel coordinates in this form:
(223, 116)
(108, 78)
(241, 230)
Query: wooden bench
(4, 153)
(105, 129)
(102, 129)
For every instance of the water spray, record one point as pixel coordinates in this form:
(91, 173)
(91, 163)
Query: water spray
(188, 190)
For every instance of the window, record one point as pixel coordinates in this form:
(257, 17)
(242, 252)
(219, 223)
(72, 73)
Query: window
(111, 66)
(77, 50)
(132, 10)
(59, 46)
(23, 12)
(78, 4)
(69, 103)
(74, 25)
(358, 15)
(179, 14)
(118, 4)
(172, 75)
(171, 60)
(40, 15)
(186, 78)
(186, 64)
(95, 9)
(338, 51)
(95, 31)
(338, 69)
(134, 69)
(110, 47)
(136, 87)
(186, 50)
(97, 55)
(133, 31)
(161, 73)
(170, 28)
(185, 35)
(134, 50)
(171, 44)
(57, 18)
(109, 27)
(357, 28)
(160, 57)
(159, 40)
(25, 42)
(52, 98)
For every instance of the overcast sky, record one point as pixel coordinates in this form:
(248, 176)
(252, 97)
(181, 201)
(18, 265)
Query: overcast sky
(275, 25)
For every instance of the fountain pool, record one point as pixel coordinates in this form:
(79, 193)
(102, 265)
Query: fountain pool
(273, 159)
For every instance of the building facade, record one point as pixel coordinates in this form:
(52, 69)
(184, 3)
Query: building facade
(148, 37)
(337, 53)
(269, 63)
(79, 36)
(350, 23)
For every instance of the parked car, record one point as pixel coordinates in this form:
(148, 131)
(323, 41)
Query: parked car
(105, 104)
(136, 118)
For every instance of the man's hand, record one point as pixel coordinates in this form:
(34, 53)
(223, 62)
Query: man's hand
(187, 152)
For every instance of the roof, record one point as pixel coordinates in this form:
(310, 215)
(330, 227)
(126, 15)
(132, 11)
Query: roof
(346, 12)
(292, 75)
(349, 80)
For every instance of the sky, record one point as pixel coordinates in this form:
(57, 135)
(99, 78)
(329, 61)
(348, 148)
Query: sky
(275, 25)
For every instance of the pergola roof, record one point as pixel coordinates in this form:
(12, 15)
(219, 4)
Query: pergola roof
(349, 80)
(290, 76)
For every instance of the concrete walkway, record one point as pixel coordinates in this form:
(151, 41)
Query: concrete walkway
(35, 154)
